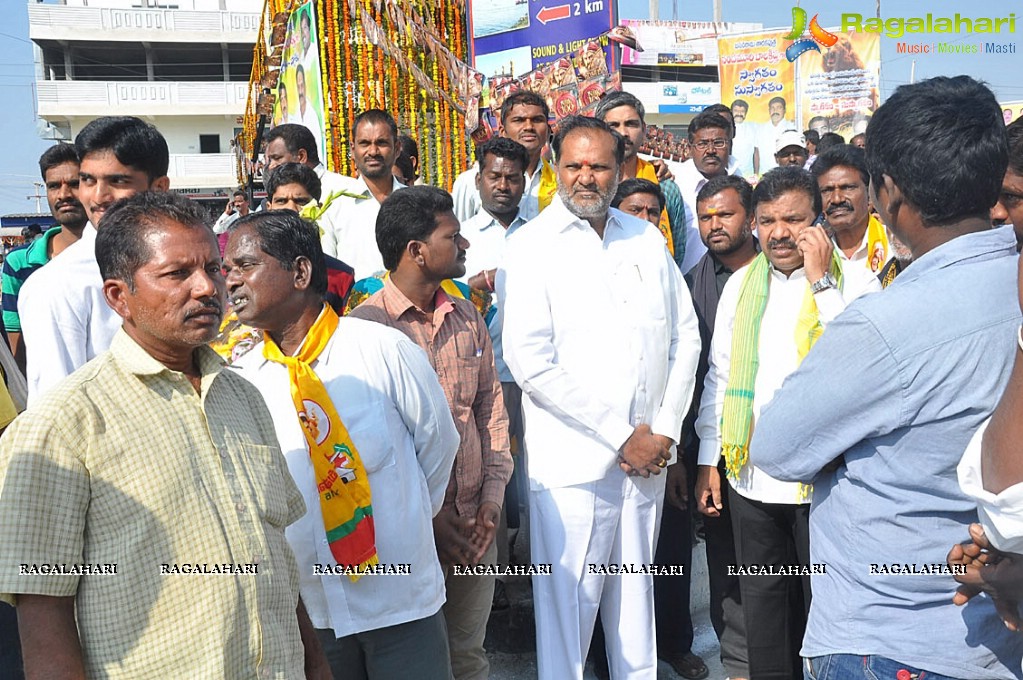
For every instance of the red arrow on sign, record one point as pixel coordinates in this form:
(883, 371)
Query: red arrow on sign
(553, 13)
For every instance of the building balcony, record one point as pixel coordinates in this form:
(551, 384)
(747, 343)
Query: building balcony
(61, 99)
(191, 171)
(78, 24)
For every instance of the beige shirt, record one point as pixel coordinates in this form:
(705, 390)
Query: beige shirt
(124, 464)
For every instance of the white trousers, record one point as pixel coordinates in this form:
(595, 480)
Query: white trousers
(612, 521)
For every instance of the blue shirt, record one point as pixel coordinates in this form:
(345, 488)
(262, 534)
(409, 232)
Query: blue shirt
(897, 385)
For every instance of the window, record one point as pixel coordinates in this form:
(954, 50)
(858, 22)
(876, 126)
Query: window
(209, 143)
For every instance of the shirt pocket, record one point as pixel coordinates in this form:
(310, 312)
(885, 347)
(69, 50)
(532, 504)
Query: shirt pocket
(372, 433)
(270, 489)
(467, 379)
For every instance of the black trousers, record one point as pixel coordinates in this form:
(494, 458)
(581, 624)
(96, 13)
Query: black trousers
(10, 644)
(671, 593)
(725, 598)
(775, 607)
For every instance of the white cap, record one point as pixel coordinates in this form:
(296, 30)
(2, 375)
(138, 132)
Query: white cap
(789, 138)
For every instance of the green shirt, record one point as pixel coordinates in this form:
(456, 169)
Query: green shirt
(19, 264)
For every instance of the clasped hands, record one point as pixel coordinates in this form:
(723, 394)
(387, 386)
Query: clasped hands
(644, 453)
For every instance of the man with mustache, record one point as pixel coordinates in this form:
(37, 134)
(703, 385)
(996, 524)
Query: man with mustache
(524, 117)
(65, 318)
(770, 313)
(710, 138)
(162, 464)
(860, 239)
(790, 149)
(604, 401)
(744, 144)
(770, 131)
(422, 246)
(625, 114)
(59, 167)
(349, 234)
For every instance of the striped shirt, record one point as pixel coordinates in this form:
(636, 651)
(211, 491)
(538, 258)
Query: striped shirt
(185, 493)
(20, 264)
(457, 342)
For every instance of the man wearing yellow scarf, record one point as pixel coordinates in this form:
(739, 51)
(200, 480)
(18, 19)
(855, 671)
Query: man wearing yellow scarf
(369, 440)
(861, 239)
(770, 314)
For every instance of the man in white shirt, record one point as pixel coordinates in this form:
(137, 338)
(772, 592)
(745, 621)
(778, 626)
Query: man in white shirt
(524, 117)
(770, 131)
(307, 115)
(237, 207)
(744, 144)
(351, 235)
(862, 241)
(600, 334)
(64, 317)
(784, 299)
(710, 138)
(385, 397)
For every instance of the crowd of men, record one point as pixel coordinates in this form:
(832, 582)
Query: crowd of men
(799, 361)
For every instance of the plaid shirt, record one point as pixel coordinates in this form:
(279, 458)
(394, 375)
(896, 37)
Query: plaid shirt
(124, 463)
(457, 342)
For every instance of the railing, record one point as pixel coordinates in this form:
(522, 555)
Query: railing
(90, 97)
(202, 166)
(59, 21)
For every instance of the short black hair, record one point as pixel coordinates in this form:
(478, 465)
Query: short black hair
(408, 146)
(32, 229)
(58, 154)
(526, 98)
(240, 192)
(829, 140)
(782, 180)
(724, 112)
(502, 147)
(715, 185)
(296, 137)
(404, 163)
(777, 100)
(612, 100)
(293, 173)
(1014, 135)
(134, 142)
(121, 247)
(408, 215)
(740, 102)
(572, 123)
(843, 154)
(852, 140)
(636, 185)
(708, 120)
(285, 237)
(942, 141)
(376, 117)
(812, 137)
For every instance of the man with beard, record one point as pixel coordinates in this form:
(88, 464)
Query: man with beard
(710, 139)
(422, 246)
(770, 131)
(600, 334)
(59, 167)
(164, 462)
(65, 319)
(1009, 209)
(888, 400)
(860, 239)
(524, 117)
(625, 114)
(725, 213)
(770, 314)
(350, 235)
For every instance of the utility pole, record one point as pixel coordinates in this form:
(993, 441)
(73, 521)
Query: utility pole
(37, 196)
(655, 10)
(717, 11)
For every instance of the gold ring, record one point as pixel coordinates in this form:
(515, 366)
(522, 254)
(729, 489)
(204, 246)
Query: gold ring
(662, 463)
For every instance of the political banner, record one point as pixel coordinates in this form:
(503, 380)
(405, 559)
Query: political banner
(299, 95)
(753, 70)
(838, 88)
(1012, 111)
(679, 43)
(513, 37)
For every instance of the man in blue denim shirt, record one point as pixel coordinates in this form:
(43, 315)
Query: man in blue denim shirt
(878, 415)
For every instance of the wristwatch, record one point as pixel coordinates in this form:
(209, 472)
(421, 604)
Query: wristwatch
(825, 282)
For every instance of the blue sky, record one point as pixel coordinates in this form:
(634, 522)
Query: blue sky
(18, 163)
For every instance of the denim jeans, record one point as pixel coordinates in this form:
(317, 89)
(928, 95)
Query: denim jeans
(855, 667)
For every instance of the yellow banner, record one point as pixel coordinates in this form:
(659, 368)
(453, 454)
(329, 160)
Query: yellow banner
(1011, 111)
(838, 87)
(753, 69)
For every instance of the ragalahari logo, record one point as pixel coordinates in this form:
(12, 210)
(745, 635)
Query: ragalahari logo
(818, 36)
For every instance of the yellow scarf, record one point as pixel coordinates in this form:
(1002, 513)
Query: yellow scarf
(877, 245)
(345, 498)
(548, 184)
(645, 170)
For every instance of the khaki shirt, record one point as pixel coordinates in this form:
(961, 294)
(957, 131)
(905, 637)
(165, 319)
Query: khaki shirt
(124, 466)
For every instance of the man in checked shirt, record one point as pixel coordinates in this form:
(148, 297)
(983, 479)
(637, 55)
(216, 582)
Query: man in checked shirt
(418, 236)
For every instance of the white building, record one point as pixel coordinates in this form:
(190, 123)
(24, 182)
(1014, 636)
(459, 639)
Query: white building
(182, 65)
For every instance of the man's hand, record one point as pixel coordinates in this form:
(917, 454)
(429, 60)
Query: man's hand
(676, 490)
(644, 452)
(229, 208)
(708, 490)
(999, 574)
(815, 245)
(483, 280)
(662, 169)
(487, 518)
(451, 534)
